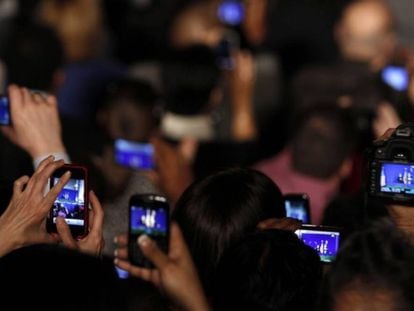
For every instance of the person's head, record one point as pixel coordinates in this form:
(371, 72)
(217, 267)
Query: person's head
(82, 282)
(190, 79)
(33, 57)
(129, 110)
(78, 24)
(366, 32)
(373, 271)
(266, 271)
(196, 23)
(217, 210)
(322, 143)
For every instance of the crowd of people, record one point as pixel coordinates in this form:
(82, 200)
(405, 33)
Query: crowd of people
(242, 102)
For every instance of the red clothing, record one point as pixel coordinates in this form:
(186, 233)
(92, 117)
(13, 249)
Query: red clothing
(320, 192)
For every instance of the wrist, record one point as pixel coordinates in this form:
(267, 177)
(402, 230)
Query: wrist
(39, 150)
(7, 243)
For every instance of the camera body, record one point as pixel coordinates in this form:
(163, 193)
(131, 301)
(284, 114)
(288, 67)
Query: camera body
(391, 167)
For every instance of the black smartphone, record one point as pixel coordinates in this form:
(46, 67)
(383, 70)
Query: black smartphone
(134, 154)
(72, 202)
(325, 240)
(5, 118)
(396, 77)
(297, 206)
(149, 215)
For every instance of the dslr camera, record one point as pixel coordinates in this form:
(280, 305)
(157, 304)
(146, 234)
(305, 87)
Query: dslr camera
(391, 167)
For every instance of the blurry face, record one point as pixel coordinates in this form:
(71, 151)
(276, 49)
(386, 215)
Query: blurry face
(366, 32)
(124, 120)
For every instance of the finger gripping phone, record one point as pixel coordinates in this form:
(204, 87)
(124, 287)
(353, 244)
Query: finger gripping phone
(149, 215)
(5, 118)
(72, 202)
(325, 240)
(297, 207)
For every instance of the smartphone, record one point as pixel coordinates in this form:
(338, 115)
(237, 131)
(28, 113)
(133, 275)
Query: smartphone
(297, 206)
(325, 240)
(148, 214)
(396, 77)
(229, 44)
(231, 12)
(133, 154)
(5, 118)
(72, 202)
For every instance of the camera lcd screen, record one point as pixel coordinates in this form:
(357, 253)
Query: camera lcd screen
(134, 155)
(4, 111)
(70, 203)
(396, 77)
(231, 12)
(397, 178)
(149, 221)
(297, 209)
(326, 243)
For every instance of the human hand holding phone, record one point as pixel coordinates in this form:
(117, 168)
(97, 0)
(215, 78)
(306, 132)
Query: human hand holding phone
(93, 243)
(174, 273)
(24, 221)
(35, 124)
(173, 172)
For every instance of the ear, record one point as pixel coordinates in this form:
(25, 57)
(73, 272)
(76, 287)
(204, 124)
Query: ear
(338, 33)
(216, 96)
(346, 168)
(57, 80)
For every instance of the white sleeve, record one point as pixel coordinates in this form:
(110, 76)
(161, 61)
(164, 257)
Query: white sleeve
(58, 156)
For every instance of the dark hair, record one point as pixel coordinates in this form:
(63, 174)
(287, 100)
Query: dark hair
(266, 271)
(379, 258)
(188, 76)
(323, 139)
(33, 54)
(138, 92)
(139, 95)
(49, 277)
(221, 208)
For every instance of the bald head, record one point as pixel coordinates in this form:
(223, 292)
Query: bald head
(366, 31)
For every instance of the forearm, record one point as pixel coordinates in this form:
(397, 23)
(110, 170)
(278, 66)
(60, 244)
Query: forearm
(243, 124)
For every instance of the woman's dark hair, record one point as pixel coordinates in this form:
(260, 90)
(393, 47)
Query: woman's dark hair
(218, 210)
(268, 270)
(50, 277)
(379, 259)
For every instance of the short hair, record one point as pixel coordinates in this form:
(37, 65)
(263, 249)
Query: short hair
(377, 259)
(268, 270)
(138, 92)
(70, 280)
(323, 138)
(221, 208)
(188, 76)
(33, 54)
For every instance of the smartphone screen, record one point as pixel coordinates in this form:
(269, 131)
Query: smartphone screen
(297, 207)
(149, 215)
(72, 201)
(324, 240)
(397, 178)
(231, 12)
(396, 77)
(134, 155)
(4, 111)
